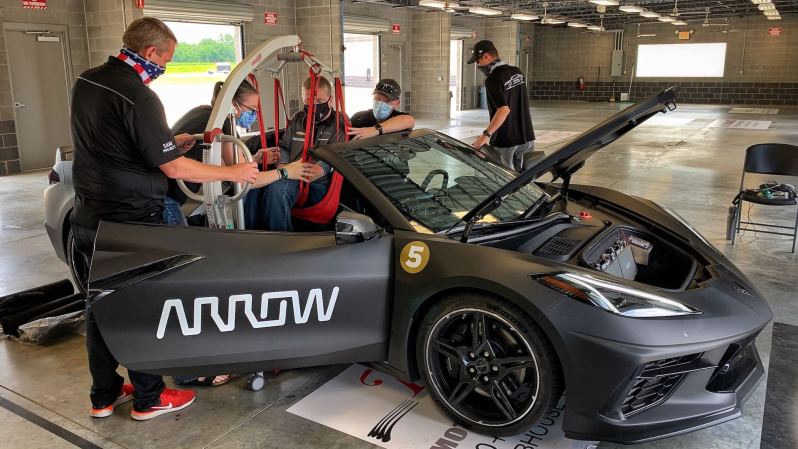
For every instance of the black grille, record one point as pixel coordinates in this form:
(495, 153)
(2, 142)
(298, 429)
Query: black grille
(671, 362)
(557, 246)
(646, 393)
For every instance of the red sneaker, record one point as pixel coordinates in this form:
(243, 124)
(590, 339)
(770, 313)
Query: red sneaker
(171, 401)
(124, 396)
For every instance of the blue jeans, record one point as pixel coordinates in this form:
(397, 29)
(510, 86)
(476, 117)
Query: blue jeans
(172, 213)
(269, 207)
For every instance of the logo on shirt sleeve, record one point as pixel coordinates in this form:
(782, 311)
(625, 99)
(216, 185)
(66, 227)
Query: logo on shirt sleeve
(515, 80)
(169, 146)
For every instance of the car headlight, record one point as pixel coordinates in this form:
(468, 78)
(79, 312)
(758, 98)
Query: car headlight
(615, 298)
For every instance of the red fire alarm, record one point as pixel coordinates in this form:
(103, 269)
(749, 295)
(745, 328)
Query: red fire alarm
(396, 28)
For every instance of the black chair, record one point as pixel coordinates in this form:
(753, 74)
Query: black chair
(769, 159)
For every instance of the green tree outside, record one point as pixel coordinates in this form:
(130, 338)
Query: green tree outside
(221, 49)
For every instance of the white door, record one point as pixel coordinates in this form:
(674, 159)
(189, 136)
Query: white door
(39, 93)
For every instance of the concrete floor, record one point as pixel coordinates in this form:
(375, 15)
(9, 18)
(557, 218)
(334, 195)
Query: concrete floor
(676, 160)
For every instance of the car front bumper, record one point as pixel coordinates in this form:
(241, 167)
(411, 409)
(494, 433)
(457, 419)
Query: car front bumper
(635, 380)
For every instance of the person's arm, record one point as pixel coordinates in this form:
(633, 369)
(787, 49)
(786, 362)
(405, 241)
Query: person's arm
(299, 171)
(394, 124)
(495, 91)
(193, 171)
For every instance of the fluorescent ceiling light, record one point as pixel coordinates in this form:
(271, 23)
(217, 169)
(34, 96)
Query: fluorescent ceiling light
(772, 12)
(595, 28)
(679, 22)
(631, 8)
(432, 4)
(605, 2)
(774, 17)
(485, 11)
(552, 21)
(766, 6)
(577, 24)
(650, 14)
(759, 2)
(523, 16)
(666, 19)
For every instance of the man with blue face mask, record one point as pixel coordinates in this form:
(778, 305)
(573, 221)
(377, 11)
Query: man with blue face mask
(384, 117)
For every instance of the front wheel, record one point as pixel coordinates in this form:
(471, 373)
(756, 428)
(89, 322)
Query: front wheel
(487, 364)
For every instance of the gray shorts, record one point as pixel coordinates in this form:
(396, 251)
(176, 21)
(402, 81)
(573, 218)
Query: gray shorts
(513, 157)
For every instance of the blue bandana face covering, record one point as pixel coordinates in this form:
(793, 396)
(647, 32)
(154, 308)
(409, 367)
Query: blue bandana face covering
(246, 119)
(153, 70)
(381, 110)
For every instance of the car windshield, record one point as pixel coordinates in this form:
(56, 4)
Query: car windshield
(435, 180)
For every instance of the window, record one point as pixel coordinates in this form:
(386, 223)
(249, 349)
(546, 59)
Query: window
(681, 60)
(435, 180)
(362, 66)
(206, 53)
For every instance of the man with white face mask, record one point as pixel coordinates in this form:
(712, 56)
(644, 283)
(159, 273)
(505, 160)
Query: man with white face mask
(383, 116)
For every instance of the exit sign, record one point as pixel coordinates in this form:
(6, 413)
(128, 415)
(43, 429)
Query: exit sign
(775, 31)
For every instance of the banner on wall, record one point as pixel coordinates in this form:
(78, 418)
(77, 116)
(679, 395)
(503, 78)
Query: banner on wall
(34, 4)
(394, 414)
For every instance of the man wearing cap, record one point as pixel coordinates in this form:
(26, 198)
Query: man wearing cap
(510, 130)
(383, 116)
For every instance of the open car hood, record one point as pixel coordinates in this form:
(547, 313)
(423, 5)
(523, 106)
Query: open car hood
(572, 156)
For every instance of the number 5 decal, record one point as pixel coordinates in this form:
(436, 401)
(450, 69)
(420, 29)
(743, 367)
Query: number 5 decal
(414, 257)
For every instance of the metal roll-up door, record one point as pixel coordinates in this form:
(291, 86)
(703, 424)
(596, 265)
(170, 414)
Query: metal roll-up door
(365, 24)
(461, 32)
(204, 11)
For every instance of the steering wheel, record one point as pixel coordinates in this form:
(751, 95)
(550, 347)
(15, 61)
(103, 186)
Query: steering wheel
(247, 155)
(433, 174)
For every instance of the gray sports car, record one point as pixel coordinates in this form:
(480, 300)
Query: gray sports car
(497, 290)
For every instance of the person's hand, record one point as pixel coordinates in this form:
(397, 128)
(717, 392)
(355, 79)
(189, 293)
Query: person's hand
(300, 171)
(273, 155)
(244, 172)
(363, 133)
(481, 140)
(184, 142)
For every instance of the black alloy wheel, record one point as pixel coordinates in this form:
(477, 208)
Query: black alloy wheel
(487, 364)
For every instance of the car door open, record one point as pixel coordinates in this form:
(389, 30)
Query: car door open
(195, 301)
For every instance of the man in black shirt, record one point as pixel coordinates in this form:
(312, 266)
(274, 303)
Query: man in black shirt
(383, 116)
(124, 152)
(510, 130)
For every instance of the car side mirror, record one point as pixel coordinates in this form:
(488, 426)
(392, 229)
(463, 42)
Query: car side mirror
(352, 227)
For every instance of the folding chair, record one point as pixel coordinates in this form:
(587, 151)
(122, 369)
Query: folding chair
(769, 159)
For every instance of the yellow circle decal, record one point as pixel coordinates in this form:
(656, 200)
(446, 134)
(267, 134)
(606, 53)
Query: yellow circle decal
(414, 257)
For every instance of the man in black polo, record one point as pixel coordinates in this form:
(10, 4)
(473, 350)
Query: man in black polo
(510, 130)
(383, 117)
(124, 152)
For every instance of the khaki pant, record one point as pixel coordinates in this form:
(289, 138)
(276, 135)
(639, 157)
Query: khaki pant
(514, 157)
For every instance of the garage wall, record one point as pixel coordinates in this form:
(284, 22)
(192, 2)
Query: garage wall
(430, 61)
(760, 69)
(58, 12)
(402, 16)
(504, 35)
(472, 78)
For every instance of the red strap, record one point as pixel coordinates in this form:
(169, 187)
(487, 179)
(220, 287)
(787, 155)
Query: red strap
(340, 111)
(310, 122)
(254, 81)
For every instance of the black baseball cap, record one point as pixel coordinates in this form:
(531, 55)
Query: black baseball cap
(388, 87)
(480, 48)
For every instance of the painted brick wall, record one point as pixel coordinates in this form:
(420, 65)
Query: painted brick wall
(58, 12)
(403, 17)
(430, 60)
(759, 69)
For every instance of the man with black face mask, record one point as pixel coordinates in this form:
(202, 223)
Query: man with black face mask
(510, 129)
(270, 207)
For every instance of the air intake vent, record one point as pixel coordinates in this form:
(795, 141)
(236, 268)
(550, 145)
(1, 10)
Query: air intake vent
(647, 393)
(557, 246)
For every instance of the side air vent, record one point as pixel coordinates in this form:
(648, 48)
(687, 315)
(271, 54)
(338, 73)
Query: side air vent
(557, 246)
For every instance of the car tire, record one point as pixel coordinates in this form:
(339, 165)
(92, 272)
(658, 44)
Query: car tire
(499, 385)
(78, 272)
